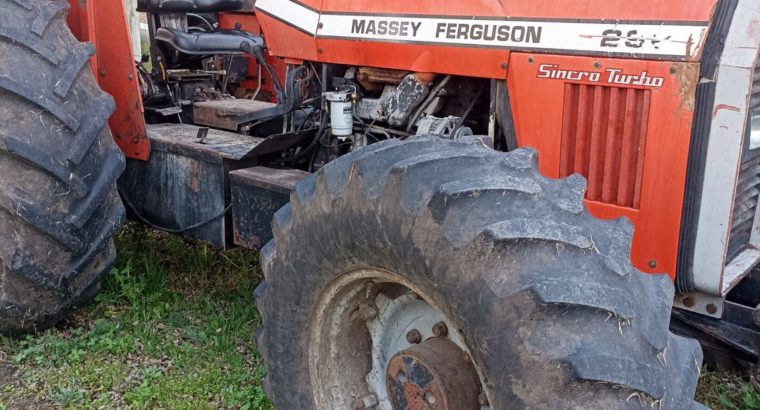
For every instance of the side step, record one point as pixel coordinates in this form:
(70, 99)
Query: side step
(201, 182)
(257, 193)
(185, 183)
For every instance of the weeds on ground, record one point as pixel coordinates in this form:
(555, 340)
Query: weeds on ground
(727, 391)
(172, 328)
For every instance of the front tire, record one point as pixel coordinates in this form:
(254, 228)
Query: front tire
(59, 208)
(540, 295)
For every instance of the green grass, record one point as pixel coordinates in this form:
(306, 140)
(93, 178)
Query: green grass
(728, 391)
(173, 328)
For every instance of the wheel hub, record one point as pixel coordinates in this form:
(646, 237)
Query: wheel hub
(433, 375)
(369, 320)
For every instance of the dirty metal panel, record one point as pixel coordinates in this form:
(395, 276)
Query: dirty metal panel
(186, 182)
(226, 114)
(257, 193)
(218, 145)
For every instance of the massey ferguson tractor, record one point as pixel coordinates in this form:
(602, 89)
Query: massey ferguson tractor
(486, 204)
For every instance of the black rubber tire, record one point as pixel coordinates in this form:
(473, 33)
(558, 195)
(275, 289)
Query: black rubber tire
(59, 208)
(544, 293)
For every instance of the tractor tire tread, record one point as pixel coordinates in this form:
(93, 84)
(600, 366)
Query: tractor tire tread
(453, 185)
(59, 142)
(78, 60)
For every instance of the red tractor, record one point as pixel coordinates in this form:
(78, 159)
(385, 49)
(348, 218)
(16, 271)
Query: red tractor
(461, 205)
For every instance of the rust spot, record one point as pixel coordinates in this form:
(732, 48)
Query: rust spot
(375, 78)
(689, 45)
(712, 309)
(193, 184)
(432, 376)
(720, 107)
(687, 75)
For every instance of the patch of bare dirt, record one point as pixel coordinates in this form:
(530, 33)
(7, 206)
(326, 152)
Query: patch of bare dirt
(11, 389)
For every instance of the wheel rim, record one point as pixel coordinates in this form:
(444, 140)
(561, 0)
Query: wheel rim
(378, 342)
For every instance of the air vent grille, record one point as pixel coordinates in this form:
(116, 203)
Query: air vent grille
(603, 138)
(748, 185)
(754, 104)
(745, 204)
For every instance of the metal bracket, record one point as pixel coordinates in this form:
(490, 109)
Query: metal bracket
(702, 303)
(202, 134)
(736, 330)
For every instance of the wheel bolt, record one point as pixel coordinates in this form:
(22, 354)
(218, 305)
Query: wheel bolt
(440, 329)
(413, 336)
(430, 398)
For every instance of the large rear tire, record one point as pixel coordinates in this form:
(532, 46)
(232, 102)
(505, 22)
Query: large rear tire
(59, 208)
(539, 296)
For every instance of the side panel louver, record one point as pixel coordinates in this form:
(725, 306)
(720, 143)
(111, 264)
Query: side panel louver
(603, 139)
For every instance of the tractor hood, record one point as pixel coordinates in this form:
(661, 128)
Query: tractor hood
(423, 36)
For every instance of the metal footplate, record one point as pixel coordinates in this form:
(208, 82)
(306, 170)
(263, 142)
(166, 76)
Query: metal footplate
(257, 193)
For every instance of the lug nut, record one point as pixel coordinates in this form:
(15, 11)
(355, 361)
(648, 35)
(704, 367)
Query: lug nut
(430, 398)
(440, 329)
(413, 336)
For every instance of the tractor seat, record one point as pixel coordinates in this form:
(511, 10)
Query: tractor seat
(189, 6)
(215, 42)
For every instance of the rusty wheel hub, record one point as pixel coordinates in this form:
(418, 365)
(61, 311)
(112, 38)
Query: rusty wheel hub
(380, 344)
(434, 375)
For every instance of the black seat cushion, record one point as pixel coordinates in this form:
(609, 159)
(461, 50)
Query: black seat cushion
(215, 42)
(188, 6)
